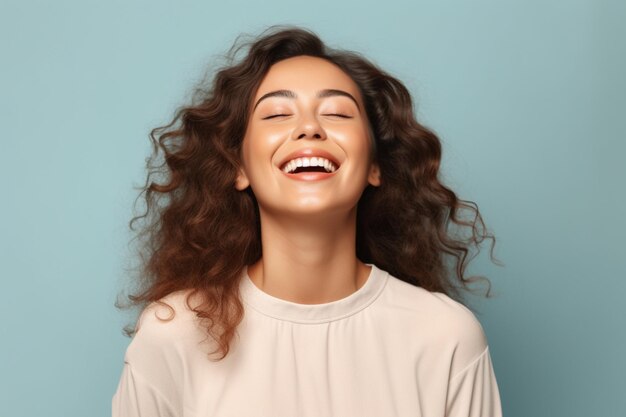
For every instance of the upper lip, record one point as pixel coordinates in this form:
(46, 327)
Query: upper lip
(309, 152)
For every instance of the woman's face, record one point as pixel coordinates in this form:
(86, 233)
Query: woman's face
(289, 115)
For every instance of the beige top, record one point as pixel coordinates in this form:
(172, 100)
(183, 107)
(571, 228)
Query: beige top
(388, 349)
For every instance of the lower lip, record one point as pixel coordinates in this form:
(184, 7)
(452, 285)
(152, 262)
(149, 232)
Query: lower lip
(309, 176)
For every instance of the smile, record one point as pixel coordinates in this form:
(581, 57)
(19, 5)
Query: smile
(305, 164)
(312, 175)
(309, 168)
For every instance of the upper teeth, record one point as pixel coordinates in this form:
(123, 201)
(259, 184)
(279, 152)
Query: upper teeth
(309, 162)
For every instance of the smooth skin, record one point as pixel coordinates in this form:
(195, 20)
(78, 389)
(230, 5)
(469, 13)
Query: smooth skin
(308, 228)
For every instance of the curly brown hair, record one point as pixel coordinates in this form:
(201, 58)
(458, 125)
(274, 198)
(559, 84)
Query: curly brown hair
(200, 232)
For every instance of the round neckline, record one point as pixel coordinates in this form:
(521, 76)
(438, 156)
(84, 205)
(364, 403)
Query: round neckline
(281, 309)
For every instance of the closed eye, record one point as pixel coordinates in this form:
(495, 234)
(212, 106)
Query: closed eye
(339, 115)
(331, 114)
(275, 115)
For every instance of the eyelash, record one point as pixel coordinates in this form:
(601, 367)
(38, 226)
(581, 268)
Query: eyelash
(332, 114)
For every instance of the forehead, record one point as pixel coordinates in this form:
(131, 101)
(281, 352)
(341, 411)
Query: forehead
(306, 74)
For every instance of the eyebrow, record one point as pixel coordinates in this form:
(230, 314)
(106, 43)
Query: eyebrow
(329, 92)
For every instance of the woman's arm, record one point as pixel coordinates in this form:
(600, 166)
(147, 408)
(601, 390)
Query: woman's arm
(473, 392)
(136, 397)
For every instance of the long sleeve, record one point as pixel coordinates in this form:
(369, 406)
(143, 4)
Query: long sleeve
(474, 391)
(151, 382)
(135, 397)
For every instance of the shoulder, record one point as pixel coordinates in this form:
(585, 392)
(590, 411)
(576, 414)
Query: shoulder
(173, 309)
(157, 355)
(169, 314)
(448, 324)
(163, 330)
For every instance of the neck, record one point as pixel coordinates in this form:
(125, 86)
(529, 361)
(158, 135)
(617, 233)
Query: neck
(310, 261)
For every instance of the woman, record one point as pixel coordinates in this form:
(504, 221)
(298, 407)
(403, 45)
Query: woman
(303, 215)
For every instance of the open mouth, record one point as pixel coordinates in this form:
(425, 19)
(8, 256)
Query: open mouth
(309, 169)
(312, 172)
(311, 165)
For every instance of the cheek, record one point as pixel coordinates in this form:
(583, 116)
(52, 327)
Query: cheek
(265, 141)
(258, 148)
(354, 140)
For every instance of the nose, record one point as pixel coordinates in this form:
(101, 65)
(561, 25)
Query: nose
(309, 127)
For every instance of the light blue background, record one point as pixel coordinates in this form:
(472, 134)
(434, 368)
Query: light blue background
(528, 98)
